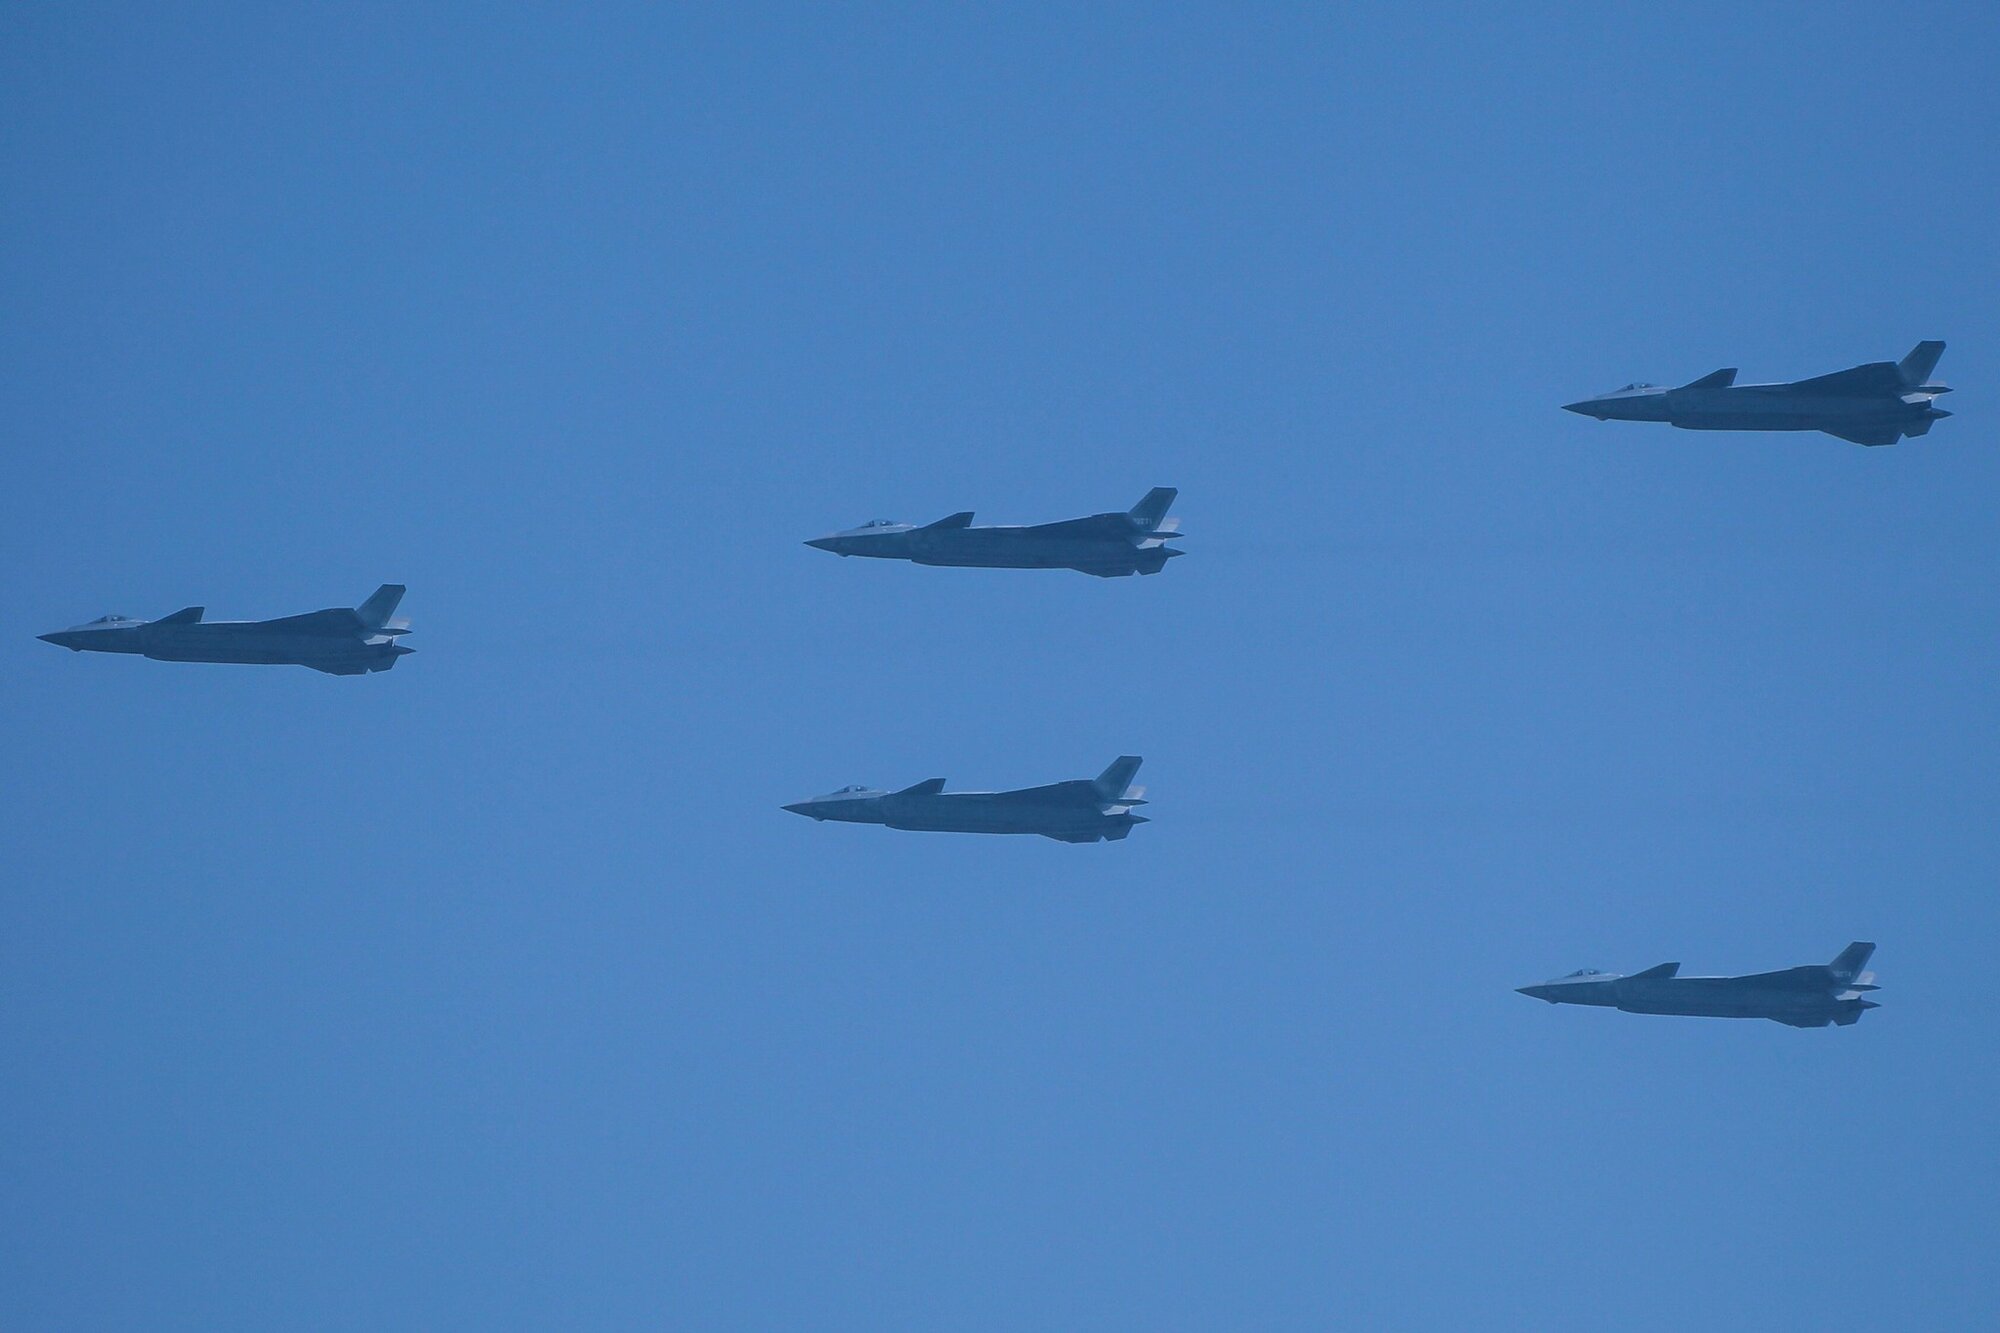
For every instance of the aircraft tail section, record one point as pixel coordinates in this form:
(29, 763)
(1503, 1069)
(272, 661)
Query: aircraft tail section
(381, 604)
(1916, 368)
(1151, 512)
(1113, 782)
(1847, 966)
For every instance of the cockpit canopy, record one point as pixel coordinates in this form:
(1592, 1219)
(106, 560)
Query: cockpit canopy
(1583, 972)
(1635, 386)
(881, 523)
(112, 620)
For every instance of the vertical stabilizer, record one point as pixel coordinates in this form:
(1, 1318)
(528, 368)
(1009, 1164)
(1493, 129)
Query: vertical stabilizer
(1113, 781)
(1916, 368)
(1148, 513)
(375, 612)
(1851, 960)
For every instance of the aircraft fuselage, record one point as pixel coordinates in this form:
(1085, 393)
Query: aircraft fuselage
(245, 643)
(1765, 407)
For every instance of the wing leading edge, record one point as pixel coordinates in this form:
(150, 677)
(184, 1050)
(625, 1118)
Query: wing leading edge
(335, 621)
(1876, 377)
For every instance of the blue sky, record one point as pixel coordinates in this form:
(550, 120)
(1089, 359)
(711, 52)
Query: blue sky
(497, 991)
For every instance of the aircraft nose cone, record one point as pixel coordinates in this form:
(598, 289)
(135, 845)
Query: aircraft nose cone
(1586, 408)
(824, 544)
(1533, 992)
(799, 808)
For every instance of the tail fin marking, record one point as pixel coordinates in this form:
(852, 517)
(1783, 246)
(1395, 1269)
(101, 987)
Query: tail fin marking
(381, 604)
(1148, 514)
(1916, 368)
(1851, 960)
(1113, 781)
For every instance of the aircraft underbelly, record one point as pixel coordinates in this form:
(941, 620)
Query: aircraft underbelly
(1692, 1009)
(190, 645)
(983, 815)
(1717, 1002)
(983, 552)
(1745, 421)
(1786, 412)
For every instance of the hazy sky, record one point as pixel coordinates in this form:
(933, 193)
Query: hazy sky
(497, 991)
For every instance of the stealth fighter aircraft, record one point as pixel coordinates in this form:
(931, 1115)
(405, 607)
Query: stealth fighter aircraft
(1108, 545)
(1878, 403)
(1800, 997)
(1085, 810)
(344, 641)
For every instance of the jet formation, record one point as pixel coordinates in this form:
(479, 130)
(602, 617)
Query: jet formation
(1801, 997)
(1873, 404)
(1876, 404)
(341, 641)
(1084, 810)
(1114, 545)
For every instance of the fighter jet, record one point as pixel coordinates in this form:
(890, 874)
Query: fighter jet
(1085, 810)
(344, 641)
(1878, 403)
(1800, 997)
(1107, 545)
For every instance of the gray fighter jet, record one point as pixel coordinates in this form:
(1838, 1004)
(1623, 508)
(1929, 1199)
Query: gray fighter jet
(1878, 403)
(344, 641)
(1800, 997)
(1107, 545)
(1086, 810)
